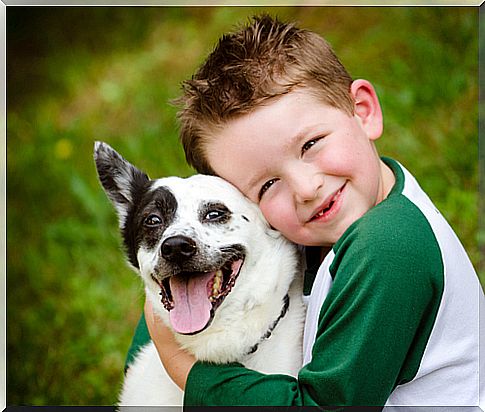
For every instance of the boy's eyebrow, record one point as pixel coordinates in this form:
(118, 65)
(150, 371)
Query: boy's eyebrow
(304, 132)
(251, 184)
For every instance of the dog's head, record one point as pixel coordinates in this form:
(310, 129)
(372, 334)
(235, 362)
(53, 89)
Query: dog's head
(189, 238)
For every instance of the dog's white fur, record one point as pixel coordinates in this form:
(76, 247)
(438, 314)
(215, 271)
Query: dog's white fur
(269, 272)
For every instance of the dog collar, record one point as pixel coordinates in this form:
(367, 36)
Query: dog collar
(284, 310)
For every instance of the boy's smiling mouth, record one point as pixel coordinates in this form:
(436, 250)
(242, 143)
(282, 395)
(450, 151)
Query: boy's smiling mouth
(330, 207)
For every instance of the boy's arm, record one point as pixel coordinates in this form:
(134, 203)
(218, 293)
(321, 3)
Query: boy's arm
(373, 326)
(176, 361)
(179, 363)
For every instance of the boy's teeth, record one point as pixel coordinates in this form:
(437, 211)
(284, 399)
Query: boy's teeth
(324, 210)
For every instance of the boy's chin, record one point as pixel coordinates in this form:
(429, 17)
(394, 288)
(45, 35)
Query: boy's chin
(327, 239)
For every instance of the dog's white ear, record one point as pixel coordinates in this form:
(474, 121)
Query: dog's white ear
(120, 179)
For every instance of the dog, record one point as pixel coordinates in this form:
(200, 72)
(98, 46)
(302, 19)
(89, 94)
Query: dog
(226, 283)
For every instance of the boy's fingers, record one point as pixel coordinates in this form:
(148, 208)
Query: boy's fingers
(154, 322)
(148, 308)
(149, 314)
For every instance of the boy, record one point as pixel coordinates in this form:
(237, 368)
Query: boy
(393, 308)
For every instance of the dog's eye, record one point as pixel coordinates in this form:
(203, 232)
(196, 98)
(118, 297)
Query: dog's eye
(152, 221)
(214, 212)
(214, 215)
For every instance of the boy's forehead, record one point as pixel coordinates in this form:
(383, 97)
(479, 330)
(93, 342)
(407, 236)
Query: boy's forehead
(276, 110)
(289, 118)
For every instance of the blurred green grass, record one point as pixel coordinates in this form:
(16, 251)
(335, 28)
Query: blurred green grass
(76, 75)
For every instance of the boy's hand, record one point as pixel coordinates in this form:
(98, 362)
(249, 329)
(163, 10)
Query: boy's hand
(176, 361)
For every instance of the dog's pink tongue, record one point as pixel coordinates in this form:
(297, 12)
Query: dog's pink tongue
(192, 308)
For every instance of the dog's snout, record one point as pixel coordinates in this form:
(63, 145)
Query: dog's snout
(178, 248)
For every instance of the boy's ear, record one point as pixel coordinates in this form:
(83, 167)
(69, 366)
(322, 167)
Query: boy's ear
(367, 108)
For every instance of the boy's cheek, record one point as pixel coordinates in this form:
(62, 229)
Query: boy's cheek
(270, 212)
(280, 216)
(266, 210)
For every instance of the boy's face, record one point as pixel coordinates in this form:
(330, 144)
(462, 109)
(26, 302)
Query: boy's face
(312, 169)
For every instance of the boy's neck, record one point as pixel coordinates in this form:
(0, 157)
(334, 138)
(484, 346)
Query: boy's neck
(387, 181)
(324, 251)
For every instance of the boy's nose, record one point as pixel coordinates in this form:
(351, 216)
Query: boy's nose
(305, 189)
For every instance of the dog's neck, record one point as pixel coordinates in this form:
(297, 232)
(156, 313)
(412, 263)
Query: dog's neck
(284, 310)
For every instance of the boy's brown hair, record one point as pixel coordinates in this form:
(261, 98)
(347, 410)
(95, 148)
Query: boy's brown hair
(263, 60)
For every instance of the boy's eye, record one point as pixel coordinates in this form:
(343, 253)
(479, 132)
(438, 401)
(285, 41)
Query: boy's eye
(310, 144)
(265, 187)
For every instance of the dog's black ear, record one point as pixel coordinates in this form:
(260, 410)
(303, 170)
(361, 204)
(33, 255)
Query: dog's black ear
(121, 181)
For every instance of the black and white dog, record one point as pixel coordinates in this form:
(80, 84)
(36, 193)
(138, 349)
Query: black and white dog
(226, 283)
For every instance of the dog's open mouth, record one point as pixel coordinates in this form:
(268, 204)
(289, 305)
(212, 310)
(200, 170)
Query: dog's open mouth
(192, 298)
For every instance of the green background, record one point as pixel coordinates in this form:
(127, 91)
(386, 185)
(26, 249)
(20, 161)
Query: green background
(76, 75)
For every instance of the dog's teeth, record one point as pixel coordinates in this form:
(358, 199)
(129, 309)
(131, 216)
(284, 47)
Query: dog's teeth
(216, 286)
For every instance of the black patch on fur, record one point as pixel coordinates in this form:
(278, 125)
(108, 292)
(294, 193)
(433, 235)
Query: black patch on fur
(245, 218)
(237, 251)
(160, 202)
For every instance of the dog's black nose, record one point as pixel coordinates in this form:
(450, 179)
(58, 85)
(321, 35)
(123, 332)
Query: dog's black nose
(177, 248)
